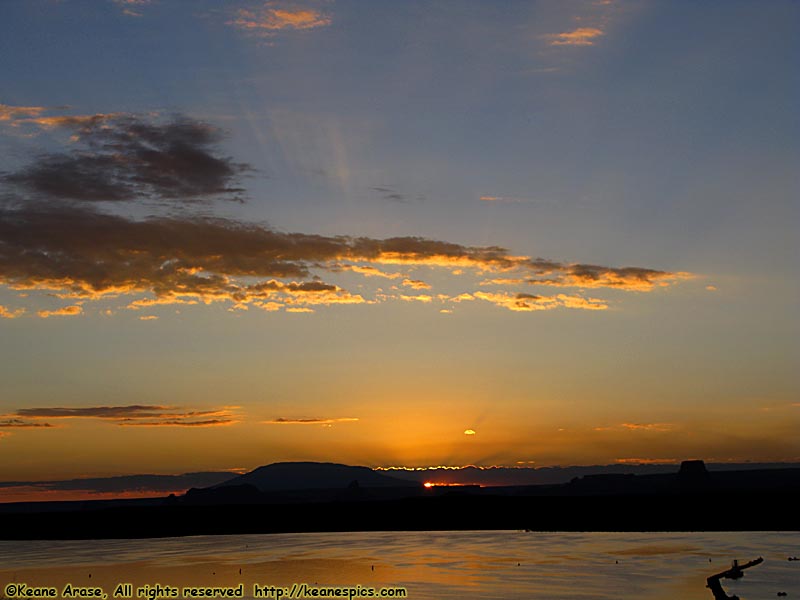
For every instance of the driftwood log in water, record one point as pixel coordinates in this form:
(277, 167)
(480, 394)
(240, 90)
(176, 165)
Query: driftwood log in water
(735, 572)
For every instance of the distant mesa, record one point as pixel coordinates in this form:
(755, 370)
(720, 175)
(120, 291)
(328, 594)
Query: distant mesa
(297, 476)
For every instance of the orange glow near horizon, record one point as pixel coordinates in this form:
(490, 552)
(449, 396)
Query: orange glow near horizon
(32, 493)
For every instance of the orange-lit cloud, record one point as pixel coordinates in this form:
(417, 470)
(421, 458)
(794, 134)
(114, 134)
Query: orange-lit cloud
(647, 426)
(310, 421)
(132, 415)
(650, 427)
(502, 281)
(465, 297)
(67, 311)
(582, 36)
(268, 21)
(86, 255)
(645, 461)
(366, 271)
(596, 276)
(416, 284)
(6, 313)
(425, 298)
(530, 302)
(178, 423)
(11, 113)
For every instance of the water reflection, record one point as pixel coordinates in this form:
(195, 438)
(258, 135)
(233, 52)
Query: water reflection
(505, 565)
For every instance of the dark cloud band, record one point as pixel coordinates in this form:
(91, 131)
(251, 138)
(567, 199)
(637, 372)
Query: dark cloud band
(124, 157)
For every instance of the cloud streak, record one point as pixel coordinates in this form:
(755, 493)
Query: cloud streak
(141, 415)
(66, 311)
(582, 36)
(7, 313)
(268, 21)
(521, 302)
(128, 6)
(11, 421)
(13, 113)
(84, 255)
(311, 421)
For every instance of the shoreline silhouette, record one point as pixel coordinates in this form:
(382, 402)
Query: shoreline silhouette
(354, 499)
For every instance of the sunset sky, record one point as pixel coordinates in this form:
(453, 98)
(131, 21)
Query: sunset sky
(397, 233)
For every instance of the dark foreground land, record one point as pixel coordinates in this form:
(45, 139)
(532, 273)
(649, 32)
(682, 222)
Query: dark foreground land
(691, 500)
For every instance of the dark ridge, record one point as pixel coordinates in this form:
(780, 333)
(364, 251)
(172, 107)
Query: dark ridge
(691, 499)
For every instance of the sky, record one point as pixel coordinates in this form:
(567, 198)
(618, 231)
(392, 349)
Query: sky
(396, 233)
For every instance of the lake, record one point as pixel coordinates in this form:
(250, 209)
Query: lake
(429, 565)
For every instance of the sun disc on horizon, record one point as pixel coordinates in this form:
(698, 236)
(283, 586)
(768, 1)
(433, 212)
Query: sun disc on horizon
(469, 432)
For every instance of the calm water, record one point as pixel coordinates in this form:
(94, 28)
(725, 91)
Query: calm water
(430, 565)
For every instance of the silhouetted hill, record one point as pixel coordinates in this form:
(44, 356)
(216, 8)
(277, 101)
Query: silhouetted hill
(526, 476)
(692, 497)
(227, 494)
(292, 476)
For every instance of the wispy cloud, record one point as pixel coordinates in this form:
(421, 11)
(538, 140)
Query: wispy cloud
(394, 195)
(178, 423)
(648, 426)
(595, 276)
(311, 421)
(521, 302)
(645, 461)
(366, 271)
(506, 200)
(67, 311)
(7, 313)
(424, 298)
(268, 19)
(416, 284)
(133, 415)
(582, 36)
(130, 7)
(638, 427)
(13, 113)
(12, 421)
